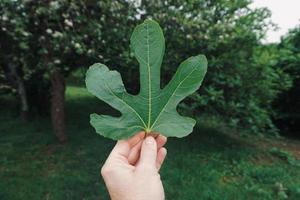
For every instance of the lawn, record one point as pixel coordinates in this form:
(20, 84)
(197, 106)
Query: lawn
(211, 163)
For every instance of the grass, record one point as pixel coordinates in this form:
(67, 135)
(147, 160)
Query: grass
(208, 164)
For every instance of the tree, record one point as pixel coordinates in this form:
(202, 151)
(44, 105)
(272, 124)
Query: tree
(288, 102)
(13, 44)
(57, 38)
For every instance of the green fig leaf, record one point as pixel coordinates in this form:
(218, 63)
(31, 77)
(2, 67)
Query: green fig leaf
(153, 109)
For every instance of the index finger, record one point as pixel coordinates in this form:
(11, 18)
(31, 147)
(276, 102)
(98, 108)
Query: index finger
(123, 147)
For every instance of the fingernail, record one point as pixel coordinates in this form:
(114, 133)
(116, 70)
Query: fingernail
(149, 140)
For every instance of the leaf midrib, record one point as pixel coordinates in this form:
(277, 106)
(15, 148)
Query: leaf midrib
(149, 81)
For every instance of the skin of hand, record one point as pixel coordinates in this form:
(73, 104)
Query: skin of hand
(131, 171)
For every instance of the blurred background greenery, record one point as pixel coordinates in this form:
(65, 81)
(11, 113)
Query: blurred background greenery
(246, 143)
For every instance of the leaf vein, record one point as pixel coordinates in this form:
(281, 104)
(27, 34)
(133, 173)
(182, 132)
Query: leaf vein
(170, 98)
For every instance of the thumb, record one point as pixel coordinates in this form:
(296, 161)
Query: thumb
(148, 154)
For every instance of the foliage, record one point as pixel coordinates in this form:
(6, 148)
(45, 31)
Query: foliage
(41, 36)
(34, 166)
(153, 109)
(239, 86)
(288, 103)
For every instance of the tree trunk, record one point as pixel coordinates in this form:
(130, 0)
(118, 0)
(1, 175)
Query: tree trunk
(16, 81)
(23, 98)
(57, 105)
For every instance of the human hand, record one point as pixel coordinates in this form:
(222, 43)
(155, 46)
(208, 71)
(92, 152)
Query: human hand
(131, 170)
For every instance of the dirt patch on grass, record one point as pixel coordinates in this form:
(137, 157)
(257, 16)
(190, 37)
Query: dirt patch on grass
(266, 143)
(292, 146)
(262, 159)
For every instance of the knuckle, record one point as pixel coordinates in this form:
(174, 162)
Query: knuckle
(105, 170)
